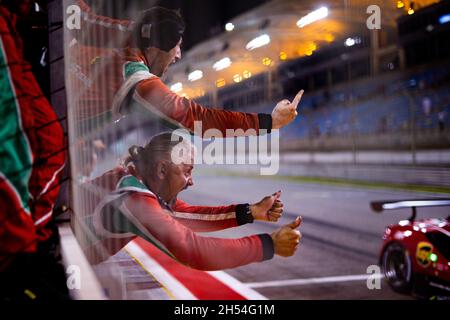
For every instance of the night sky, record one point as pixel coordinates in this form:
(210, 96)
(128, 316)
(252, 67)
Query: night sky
(204, 18)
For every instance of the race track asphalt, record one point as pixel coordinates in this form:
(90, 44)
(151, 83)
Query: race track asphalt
(341, 235)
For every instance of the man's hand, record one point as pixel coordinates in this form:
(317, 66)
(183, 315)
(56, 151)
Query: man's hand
(269, 208)
(285, 111)
(286, 239)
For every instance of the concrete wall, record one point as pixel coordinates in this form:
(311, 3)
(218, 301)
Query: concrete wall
(432, 167)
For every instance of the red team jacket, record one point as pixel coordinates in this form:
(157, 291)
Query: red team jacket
(106, 75)
(171, 228)
(31, 150)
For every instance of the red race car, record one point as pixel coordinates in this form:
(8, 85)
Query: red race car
(415, 255)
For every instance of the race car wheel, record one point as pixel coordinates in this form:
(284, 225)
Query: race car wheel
(397, 268)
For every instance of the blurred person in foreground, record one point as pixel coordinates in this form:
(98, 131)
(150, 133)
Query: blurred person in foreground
(116, 67)
(32, 155)
(140, 198)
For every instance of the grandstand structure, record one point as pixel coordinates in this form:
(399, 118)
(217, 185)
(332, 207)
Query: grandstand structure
(367, 89)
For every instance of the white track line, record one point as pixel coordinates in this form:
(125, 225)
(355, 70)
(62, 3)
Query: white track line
(300, 282)
(176, 288)
(242, 288)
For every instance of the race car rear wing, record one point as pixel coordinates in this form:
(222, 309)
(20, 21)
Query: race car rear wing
(379, 206)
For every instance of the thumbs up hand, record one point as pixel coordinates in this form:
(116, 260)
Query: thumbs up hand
(270, 208)
(287, 238)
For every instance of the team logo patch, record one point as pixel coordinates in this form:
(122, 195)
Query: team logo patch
(424, 249)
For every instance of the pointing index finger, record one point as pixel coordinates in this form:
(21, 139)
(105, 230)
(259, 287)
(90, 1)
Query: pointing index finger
(297, 98)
